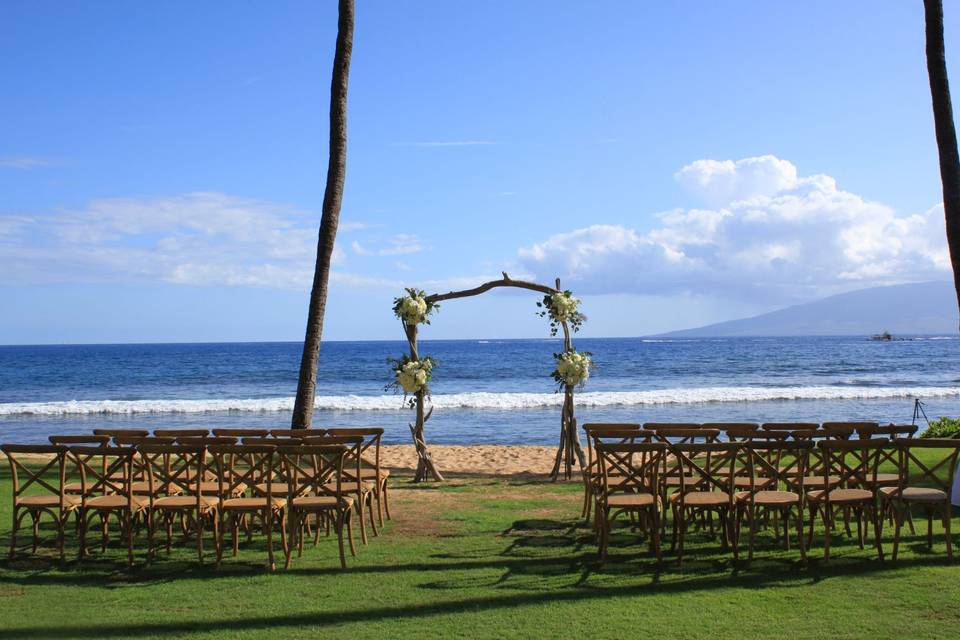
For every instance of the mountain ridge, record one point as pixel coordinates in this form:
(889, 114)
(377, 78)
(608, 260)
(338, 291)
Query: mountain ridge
(911, 309)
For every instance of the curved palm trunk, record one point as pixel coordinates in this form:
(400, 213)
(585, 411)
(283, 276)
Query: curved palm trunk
(332, 198)
(946, 131)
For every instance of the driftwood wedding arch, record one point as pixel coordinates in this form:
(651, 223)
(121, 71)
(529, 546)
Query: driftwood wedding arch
(568, 450)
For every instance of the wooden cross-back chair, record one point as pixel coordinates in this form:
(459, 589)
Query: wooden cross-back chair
(314, 475)
(629, 484)
(774, 467)
(850, 470)
(71, 483)
(105, 492)
(35, 493)
(591, 472)
(889, 455)
(706, 474)
(174, 475)
(240, 468)
(672, 465)
(924, 484)
(370, 470)
(361, 490)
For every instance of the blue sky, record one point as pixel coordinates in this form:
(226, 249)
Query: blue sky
(162, 165)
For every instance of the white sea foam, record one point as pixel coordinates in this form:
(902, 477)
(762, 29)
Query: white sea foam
(479, 400)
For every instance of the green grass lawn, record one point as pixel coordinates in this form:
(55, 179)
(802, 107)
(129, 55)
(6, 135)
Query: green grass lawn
(486, 558)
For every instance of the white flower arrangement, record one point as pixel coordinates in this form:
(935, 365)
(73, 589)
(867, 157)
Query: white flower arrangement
(562, 307)
(412, 376)
(413, 308)
(573, 368)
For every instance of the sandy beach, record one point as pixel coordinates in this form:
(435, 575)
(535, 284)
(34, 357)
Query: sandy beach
(475, 459)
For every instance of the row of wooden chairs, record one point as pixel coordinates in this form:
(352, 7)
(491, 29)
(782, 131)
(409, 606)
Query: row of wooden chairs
(640, 473)
(284, 480)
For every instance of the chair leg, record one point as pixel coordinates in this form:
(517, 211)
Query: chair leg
(200, 537)
(929, 528)
(800, 536)
(339, 528)
(17, 519)
(946, 529)
(386, 500)
(348, 513)
(363, 528)
(268, 526)
(373, 521)
(127, 527)
(875, 516)
(827, 529)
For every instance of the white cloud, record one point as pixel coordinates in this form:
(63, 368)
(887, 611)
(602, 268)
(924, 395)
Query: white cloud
(767, 232)
(23, 162)
(398, 245)
(196, 238)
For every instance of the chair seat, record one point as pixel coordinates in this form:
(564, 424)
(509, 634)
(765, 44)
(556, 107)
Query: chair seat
(276, 488)
(773, 498)
(308, 503)
(39, 502)
(884, 478)
(915, 494)
(703, 498)
(618, 500)
(842, 496)
(349, 487)
(186, 502)
(73, 487)
(115, 501)
(252, 504)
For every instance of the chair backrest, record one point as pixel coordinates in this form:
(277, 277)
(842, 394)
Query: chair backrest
(353, 460)
(204, 441)
(311, 469)
(850, 424)
(181, 433)
(756, 435)
(731, 426)
(635, 465)
(888, 431)
(853, 463)
(915, 471)
(172, 468)
(686, 436)
(657, 426)
(706, 466)
(295, 433)
(790, 426)
(371, 440)
(26, 473)
(131, 441)
(241, 467)
(241, 433)
(90, 439)
(103, 470)
(120, 433)
(784, 462)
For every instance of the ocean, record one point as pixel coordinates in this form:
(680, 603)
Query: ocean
(485, 391)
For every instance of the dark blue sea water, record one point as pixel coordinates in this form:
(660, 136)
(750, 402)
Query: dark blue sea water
(484, 390)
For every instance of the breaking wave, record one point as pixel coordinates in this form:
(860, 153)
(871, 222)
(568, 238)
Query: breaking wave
(477, 400)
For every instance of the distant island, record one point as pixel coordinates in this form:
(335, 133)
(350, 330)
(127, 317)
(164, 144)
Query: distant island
(901, 310)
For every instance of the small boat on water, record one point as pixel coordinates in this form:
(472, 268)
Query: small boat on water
(886, 336)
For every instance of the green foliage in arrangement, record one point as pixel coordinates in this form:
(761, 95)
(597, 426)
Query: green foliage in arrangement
(943, 428)
(483, 557)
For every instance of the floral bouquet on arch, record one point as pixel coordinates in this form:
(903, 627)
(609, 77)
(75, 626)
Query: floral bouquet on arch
(573, 368)
(413, 308)
(561, 307)
(411, 376)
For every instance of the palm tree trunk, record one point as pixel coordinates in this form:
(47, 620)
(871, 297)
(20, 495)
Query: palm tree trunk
(332, 198)
(946, 132)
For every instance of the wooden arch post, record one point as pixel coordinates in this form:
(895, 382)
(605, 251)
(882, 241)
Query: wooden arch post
(568, 450)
